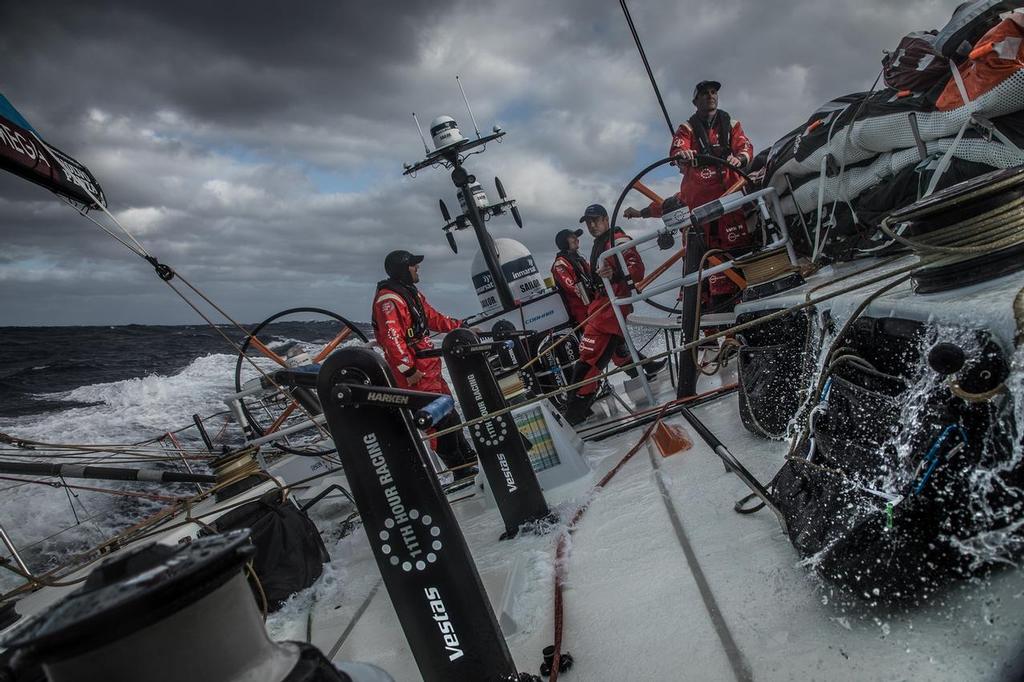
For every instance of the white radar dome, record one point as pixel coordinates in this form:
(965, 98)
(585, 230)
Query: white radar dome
(520, 272)
(445, 132)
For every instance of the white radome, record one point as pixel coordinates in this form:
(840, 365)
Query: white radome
(519, 267)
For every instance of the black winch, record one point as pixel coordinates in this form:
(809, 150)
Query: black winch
(166, 614)
(978, 223)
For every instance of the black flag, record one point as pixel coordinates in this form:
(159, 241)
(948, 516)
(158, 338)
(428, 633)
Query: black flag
(23, 153)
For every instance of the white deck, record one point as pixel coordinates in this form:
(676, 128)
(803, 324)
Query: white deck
(633, 603)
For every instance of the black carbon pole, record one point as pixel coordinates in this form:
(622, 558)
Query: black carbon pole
(498, 442)
(732, 464)
(686, 384)
(420, 551)
(462, 181)
(103, 473)
(647, 65)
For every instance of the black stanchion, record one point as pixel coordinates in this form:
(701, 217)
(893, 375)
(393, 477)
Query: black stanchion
(498, 443)
(422, 555)
(686, 385)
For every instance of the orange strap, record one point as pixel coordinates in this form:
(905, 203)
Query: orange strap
(335, 342)
(647, 192)
(982, 50)
(262, 348)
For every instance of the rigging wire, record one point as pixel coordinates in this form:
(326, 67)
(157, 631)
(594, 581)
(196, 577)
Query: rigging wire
(647, 65)
(167, 274)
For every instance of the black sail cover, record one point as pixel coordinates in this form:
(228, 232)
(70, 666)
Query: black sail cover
(23, 153)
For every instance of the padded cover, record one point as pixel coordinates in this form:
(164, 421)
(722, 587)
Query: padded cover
(289, 551)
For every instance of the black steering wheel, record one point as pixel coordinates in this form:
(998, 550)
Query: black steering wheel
(700, 158)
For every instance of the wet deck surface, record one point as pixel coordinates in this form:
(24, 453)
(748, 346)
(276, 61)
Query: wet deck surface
(634, 605)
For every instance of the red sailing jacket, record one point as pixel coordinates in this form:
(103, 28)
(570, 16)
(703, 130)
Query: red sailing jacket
(395, 328)
(575, 290)
(702, 184)
(605, 322)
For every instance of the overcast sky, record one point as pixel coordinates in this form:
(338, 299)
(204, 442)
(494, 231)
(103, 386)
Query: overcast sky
(257, 147)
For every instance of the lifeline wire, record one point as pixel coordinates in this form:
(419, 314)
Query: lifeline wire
(647, 65)
(688, 346)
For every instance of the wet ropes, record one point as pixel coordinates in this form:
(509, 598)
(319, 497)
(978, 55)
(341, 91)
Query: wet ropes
(978, 224)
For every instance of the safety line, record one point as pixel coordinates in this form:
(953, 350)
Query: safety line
(355, 620)
(737, 661)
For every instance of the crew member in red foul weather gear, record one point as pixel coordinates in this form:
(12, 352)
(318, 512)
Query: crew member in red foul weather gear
(572, 275)
(602, 337)
(402, 322)
(711, 132)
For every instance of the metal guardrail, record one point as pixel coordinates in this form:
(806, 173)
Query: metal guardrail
(767, 201)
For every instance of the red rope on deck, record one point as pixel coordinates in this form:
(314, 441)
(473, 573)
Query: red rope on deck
(564, 537)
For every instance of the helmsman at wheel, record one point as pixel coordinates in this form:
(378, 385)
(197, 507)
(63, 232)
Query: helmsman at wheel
(710, 132)
(402, 322)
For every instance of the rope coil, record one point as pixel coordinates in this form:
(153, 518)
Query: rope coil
(978, 225)
(765, 266)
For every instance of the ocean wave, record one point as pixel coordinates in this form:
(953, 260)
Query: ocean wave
(131, 410)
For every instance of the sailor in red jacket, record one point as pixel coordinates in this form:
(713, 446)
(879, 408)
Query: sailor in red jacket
(602, 337)
(402, 322)
(572, 275)
(711, 132)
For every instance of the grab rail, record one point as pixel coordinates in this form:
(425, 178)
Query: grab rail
(767, 201)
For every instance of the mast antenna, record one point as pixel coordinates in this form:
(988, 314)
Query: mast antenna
(423, 139)
(471, 116)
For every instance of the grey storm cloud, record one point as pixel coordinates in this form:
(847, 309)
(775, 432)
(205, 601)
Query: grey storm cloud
(257, 147)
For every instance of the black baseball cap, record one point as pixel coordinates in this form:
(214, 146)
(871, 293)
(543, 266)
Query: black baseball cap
(594, 211)
(396, 262)
(705, 85)
(562, 238)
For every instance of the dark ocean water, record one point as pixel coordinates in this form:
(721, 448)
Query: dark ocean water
(40, 361)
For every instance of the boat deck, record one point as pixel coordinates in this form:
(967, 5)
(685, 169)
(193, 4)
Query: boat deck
(665, 581)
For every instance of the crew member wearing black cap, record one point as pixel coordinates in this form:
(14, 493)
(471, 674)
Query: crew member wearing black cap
(572, 275)
(402, 322)
(602, 337)
(710, 132)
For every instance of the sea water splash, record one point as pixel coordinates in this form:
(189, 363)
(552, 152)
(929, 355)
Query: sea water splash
(51, 524)
(991, 496)
(131, 410)
(916, 406)
(1004, 544)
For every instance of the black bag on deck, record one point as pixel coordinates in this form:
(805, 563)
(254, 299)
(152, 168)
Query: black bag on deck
(914, 65)
(895, 495)
(290, 553)
(877, 550)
